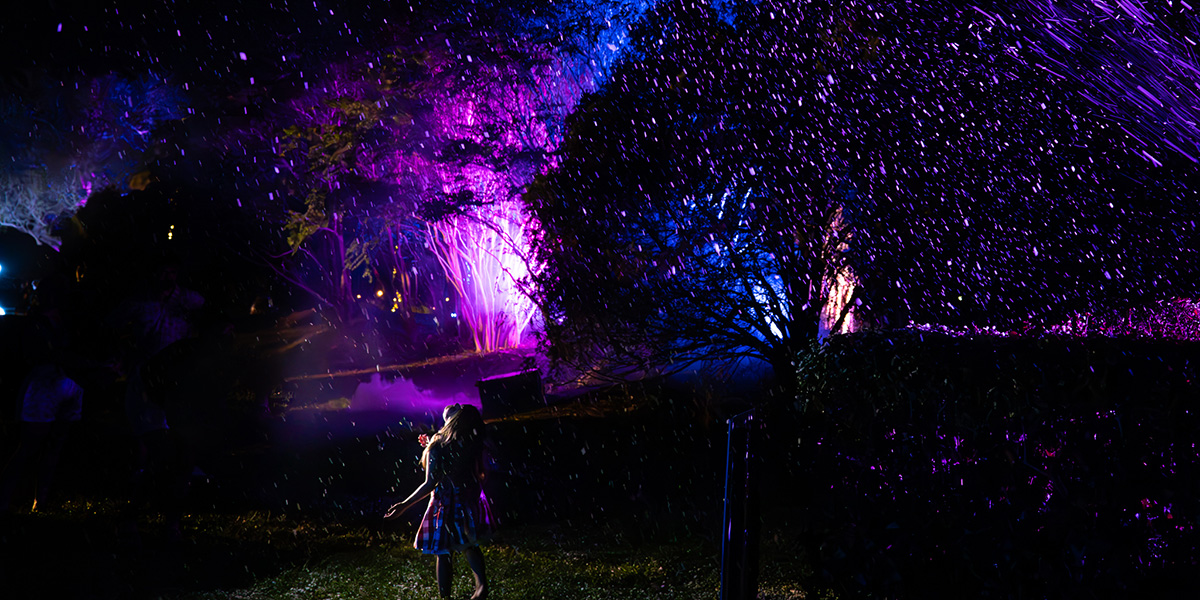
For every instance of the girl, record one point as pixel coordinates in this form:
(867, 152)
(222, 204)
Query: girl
(457, 517)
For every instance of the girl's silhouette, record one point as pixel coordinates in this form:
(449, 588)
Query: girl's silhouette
(457, 517)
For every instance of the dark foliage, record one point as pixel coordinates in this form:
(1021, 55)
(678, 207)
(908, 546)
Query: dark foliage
(678, 226)
(729, 169)
(985, 468)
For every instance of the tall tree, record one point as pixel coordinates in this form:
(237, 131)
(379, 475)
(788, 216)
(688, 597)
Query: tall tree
(62, 140)
(739, 176)
(449, 122)
(668, 238)
(336, 160)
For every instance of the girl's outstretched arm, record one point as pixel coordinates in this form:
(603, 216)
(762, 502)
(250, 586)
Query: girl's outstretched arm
(418, 494)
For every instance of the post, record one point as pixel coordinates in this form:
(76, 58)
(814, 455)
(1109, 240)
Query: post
(739, 538)
(510, 393)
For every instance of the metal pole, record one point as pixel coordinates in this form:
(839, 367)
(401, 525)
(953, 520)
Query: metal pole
(739, 538)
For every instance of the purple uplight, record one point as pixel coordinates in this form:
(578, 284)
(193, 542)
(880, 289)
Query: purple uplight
(485, 251)
(484, 258)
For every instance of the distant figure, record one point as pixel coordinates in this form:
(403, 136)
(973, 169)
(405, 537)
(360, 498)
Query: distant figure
(458, 516)
(152, 324)
(51, 402)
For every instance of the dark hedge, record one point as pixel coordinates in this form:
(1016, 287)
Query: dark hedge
(921, 465)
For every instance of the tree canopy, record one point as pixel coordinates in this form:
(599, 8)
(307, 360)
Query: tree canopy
(736, 176)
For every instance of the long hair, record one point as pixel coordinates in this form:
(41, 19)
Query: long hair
(464, 425)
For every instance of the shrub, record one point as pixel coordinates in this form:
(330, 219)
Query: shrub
(927, 464)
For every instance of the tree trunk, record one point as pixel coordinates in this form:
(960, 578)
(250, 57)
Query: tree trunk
(343, 296)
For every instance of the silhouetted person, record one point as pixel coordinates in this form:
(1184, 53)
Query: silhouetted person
(192, 379)
(50, 403)
(153, 323)
(457, 517)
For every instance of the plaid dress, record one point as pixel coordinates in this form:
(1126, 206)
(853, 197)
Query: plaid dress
(458, 515)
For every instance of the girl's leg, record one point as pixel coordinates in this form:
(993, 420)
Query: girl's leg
(475, 561)
(445, 575)
(57, 439)
(33, 437)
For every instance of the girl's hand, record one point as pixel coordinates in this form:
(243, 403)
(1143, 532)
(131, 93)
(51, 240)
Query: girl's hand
(395, 511)
(423, 440)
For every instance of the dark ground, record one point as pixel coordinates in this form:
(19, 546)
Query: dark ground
(640, 461)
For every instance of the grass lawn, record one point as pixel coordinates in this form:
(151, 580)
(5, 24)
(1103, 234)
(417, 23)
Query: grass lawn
(628, 506)
(528, 563)
(261, 555)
